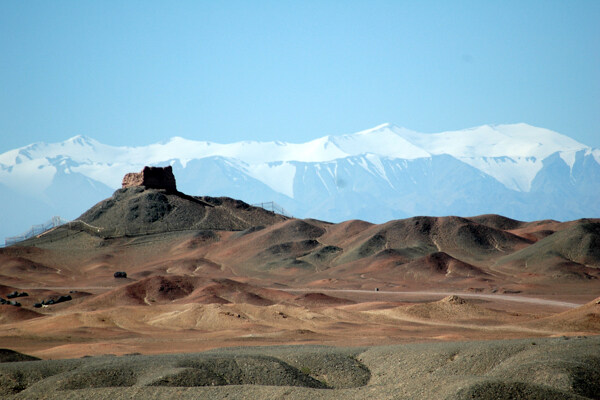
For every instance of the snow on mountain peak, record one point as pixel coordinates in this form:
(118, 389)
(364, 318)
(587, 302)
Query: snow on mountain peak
(80, 140)
(512, 154)
(382, 140)
(514, 140)
(385, 125)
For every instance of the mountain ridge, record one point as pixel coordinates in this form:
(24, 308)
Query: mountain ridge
(377, 174)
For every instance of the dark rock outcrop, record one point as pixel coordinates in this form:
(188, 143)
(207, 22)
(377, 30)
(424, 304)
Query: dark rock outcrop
(16, 294)
(49, 302)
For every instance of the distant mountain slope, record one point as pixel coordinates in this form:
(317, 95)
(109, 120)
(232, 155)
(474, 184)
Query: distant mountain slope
(383, 173)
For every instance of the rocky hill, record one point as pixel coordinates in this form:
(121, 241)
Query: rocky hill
(150, 203)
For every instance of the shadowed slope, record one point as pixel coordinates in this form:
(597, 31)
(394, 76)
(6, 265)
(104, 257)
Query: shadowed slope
(321, 300)
(7, 355)
(138, 210)
(274, 249)
(230, 291)
(10, 314)
(416, 237)
(573, 251)
(183, 289)
(155, 289)
(441, 265)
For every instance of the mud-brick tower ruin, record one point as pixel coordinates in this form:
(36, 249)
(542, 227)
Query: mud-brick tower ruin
(152, 178)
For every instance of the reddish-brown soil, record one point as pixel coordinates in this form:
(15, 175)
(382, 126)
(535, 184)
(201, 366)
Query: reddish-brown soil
(263, 279)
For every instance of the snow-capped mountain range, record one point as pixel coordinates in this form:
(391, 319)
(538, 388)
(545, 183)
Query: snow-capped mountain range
(382, 173)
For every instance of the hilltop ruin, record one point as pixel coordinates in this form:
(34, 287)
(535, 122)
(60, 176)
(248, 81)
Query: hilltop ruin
(152, 178)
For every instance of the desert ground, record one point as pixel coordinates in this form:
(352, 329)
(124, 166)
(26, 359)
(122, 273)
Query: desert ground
(226, 300)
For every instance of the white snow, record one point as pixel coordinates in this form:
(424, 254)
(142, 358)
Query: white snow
(484, 146)
(512, 154)
(30, 177)
(569, 157)
(378, 166)
(381, 140)
(595, 153)
(516, 140)
(363, 164)
(318, 170)
(514, 173)
(278, 176)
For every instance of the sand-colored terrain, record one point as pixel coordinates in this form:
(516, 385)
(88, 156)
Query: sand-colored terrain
(557, 368)
(214, 273)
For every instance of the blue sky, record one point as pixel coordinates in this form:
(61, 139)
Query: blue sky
(127, 72)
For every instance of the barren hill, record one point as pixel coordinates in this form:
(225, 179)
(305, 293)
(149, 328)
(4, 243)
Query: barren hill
(497, 221)
(573, 251)
(137, 210)
(152, 270)
(228, 238)
(585, 318)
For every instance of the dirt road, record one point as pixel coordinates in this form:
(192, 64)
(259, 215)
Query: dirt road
(398, 296)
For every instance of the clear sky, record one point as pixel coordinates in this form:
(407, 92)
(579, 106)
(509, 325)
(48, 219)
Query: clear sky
(127, 72)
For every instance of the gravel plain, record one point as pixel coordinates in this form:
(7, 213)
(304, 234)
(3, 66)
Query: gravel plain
(549, 368)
